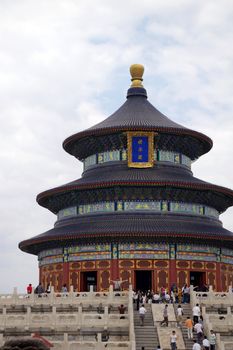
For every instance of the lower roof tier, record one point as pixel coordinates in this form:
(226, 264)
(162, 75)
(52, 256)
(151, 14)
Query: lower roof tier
(121, 226)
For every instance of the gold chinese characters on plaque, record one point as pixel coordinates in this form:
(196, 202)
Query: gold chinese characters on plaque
(140, 149)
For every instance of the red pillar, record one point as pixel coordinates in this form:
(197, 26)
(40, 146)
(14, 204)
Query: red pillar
(65, 279)
(172, 273)
(218, 277)
(40, 275)
(114, 269)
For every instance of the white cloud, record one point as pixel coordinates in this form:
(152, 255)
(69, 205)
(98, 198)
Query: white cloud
(64, 67)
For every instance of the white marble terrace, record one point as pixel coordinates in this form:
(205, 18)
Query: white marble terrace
(70, 320)
(217, 308)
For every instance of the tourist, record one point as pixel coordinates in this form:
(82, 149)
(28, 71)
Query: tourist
(156, 298)
(172, 297)
(117, 284)
(162, 293)
(100, 308)
(179, 316)
(199, 329)
(29, 289)
(159, 348)
(64, 290)
(135, 296)
(39, 290)
(142, 312)
(144, 298)
(196, 346)
(149, 297)
(196, 313)
(179, 296)
(165, 316)
(186, 294)
(105, 336)
(122, 309)
(173, 340)
(167, 298)
(189, 326)
(212, 340)
(206, 343)
(48, 289)
(176, 296)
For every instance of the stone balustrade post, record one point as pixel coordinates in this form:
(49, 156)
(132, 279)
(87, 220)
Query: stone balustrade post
(15, 295)
(230, 289)
(4, 316)
(130, 292)
(28, 318)
(54, 316)
(211, 296)
(203, 311)
(1, 339)
(220, 345)
(71, 294)
(106, 320)
(80, 317)
(65, 342)
(110, 293)
(204, 315)
(52, 295)
(131, 319)
(99, 345)
(193, 299)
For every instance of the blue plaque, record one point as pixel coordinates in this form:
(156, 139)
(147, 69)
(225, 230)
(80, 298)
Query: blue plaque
(140, 149)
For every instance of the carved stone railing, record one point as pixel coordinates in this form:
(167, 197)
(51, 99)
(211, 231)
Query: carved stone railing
(76, 312)
(53, 298)
(211, 297)
(219, 316)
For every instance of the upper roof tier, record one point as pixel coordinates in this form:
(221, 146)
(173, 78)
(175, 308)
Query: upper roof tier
(137, 114)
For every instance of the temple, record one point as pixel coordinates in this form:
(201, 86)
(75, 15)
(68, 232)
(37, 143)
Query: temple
(137, 214)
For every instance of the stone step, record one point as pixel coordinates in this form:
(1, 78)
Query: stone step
(145, 335)
(187, 312)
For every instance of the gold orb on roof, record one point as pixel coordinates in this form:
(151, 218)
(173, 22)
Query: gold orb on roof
(136, 71)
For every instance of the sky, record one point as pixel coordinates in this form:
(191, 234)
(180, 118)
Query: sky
(64, 66)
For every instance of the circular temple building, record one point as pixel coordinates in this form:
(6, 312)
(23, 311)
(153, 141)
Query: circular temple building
(137, 214)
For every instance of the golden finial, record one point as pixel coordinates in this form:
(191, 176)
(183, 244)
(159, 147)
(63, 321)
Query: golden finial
(136, 71)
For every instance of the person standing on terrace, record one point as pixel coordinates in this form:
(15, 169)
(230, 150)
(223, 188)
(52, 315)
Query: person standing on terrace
(29, 289)
(117, 284)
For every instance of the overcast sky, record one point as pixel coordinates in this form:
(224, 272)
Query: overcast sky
(64, 67)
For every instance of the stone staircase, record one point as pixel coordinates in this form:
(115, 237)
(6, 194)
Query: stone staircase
(147, 335)
(187, 312)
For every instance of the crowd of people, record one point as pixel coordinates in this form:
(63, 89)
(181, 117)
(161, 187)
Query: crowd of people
(39, 290)
(193, 323)
(175, 295)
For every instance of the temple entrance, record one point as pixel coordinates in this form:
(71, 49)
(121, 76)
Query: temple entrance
(198, 280)
(143, 280)
(88, 279)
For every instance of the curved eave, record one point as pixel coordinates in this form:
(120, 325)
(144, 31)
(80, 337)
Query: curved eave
(70, 141)
(34, 246)
(187, 185)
